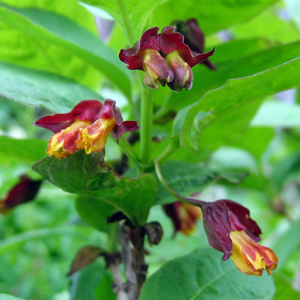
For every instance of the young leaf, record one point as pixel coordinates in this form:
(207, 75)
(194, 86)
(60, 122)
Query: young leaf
(236, 93)
(136, 12)
(61, 31)
(203, 275)
(81, 173)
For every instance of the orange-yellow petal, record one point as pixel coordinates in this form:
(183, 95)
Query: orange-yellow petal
(250, 257)
(94, 136)
(63, 143)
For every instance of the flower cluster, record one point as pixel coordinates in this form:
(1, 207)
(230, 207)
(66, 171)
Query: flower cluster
(86, 127)
(230, 230)
(193, 37)
(24, 191)
(164, 57)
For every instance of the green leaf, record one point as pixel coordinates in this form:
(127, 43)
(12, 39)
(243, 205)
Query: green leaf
(16, 150)
(94, 212)
(236, 93)
(212, 15)
(285, 244)
(22, 49)
(58, 30)
(92, 283)
(81, 173)
(9, 297)
(284, 289)
(206, 80)
(38, 88)
(187, 178)
(203, 275)
(137, 12)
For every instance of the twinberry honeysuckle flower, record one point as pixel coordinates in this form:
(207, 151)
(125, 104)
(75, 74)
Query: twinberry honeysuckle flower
(86, 127)
(230, 230)
(193, 37)
(183, 216)
(164, 57)
(24, 191)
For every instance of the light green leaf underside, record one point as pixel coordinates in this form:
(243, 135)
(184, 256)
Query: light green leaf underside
(236, 93)
(58, 30)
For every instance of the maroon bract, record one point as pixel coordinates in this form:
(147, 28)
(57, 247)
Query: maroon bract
(164, 57)
(193, 37)
(86, 127)
(24, 191)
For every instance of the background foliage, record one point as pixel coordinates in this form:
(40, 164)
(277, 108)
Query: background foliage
(56, 53)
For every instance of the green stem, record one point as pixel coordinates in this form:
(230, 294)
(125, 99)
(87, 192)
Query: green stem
(146, 126)
(112, 238)
(172, 147)
(126, 22)
(173, 193)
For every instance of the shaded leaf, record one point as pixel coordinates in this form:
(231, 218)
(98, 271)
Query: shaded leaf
(81, 173)
(187, 178)
(203, 275)
(94, 211)
(84, 257)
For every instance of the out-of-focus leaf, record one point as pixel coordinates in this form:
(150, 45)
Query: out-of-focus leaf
(287, 242)
(187, 178)
(275, 114)
(237, 93)
(81, 173)
(285, 168)
(92, 283)
(135, 12)
(206, 80)
(293, 7)
(9, 297)
(203, 275)
(212, 15)
(38, 88)
(84, 257)
(16, 151)
(94, 212)
(61, 31)
(16, 241)
(281, 30)
(284, 289)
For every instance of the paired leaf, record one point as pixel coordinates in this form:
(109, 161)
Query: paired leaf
(203, 275)
(236, 94)
(81, 173)
(39, 88)
(58, 30)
